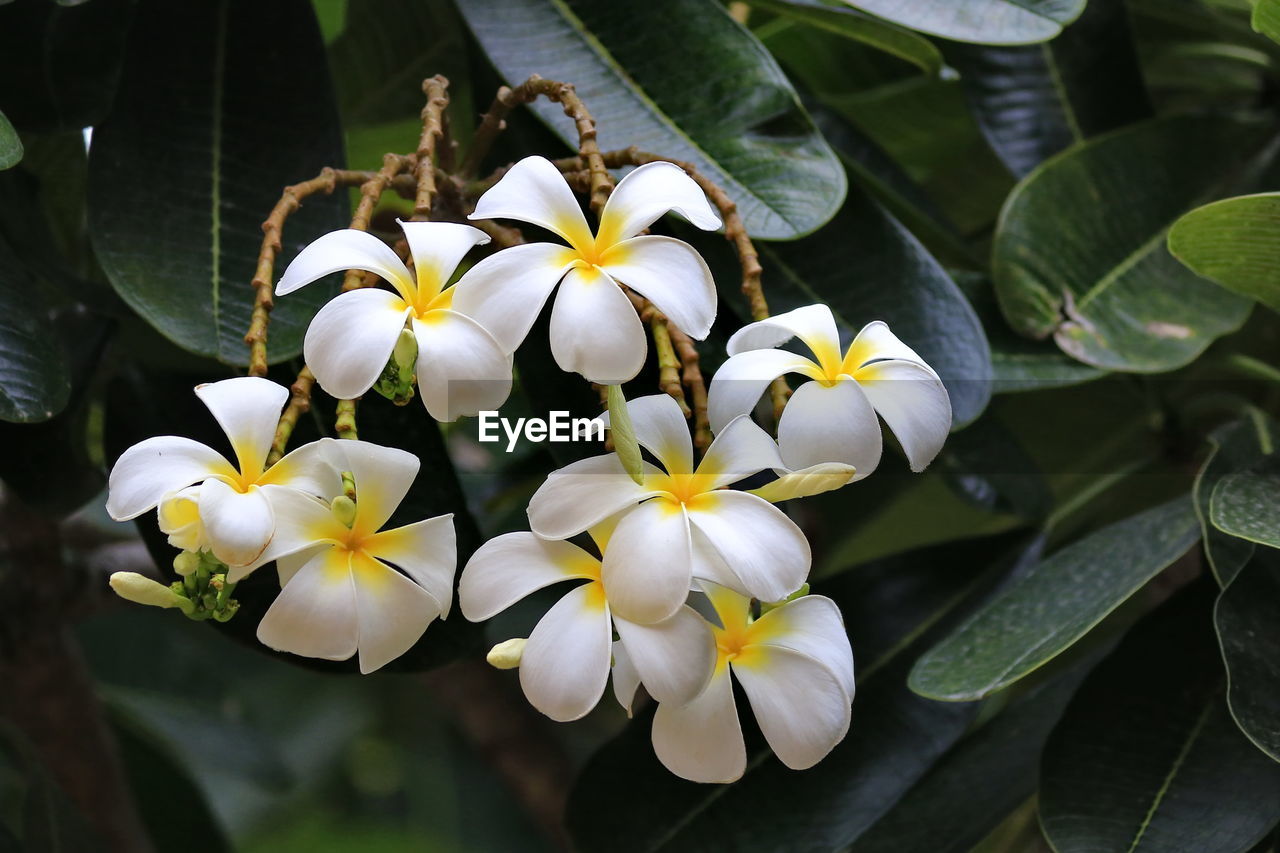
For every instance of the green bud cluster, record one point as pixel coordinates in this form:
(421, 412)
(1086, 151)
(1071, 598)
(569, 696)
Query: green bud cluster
(204, 583)
(396, 381)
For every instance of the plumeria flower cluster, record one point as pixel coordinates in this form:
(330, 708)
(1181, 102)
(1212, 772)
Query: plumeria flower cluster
(346, 585)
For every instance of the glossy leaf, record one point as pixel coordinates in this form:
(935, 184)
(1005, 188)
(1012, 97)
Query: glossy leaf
(868, 29)
(1147, 759)
(1053, 605)
(34, 382)
(1235, 447)
(175, 208)
(866, 266)
(1235, 242)
(626, 801)
(1246, 617)
(648, 83)
(1033, 101)
(1266, 18)
(1080, 250)
(1247, 504)
(980, 21)
(10, 144)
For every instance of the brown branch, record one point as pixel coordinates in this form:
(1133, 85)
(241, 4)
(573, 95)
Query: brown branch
(433, 112)
(263, 278)
(345, 422)
(693, 380)
(299, 404)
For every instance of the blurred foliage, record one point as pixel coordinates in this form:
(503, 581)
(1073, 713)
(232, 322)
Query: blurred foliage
(1066, 631)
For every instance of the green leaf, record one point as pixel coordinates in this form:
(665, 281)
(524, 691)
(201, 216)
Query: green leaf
(980, 21)
(34, 382)
(1266, 18)
(1247, 504)
(1033, 101)
(648, 79)
(10, 144)
(1247, 616)
(1235, 447)
(1235, 242)
(866, 266)
(626, 801)
(1042, 613)
(1147, 759)
(851, 23)
(175, 207)
(1080, 249)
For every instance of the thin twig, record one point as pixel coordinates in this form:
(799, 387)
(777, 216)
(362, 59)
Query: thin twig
(345, 422)
(693, 380)
(299, 405)
(370, 194)
(433, 112)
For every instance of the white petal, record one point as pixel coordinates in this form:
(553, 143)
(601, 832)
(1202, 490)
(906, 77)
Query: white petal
(505, 291)
(343, 250)
(702, 740)
(738, 383)
(662, 430)
(290, 564)
(248, 409)
(756, 540)
(913, 402)
(874, 342)
(811, 625)
(648, 565)
(675, 657)
(426, 551)
(595, 330)
(800, 705)
(151, 469)
(308, 468)
(315, 613)
(830, 424)
(647, 192)
(670, 274)
(566, 661)
(508, 567)
(437, 249)
(813, 324)
(709, 566)
(741, 449)
(625, 678)
(239, 525)
(393, 612)
(301, 522)
(382, 476)
(461, 369)
(178, 517)
(584, 493)
(533, 190)
(351, 338)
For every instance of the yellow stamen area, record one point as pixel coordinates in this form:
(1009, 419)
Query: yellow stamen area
(684, 489)
(740, 639)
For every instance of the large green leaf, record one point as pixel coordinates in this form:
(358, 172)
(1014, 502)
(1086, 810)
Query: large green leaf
(1057, 602)
(1080, 250)
(1247, 504)
(626, 801)
(34, 382)
(866, 266)
(980, 21)
(1235, 446)
(1033, 101)
(868, 29)
(1235, 242)
(175, 206)
(10, 144)
(1147, 759)
(1266, 18)
(1247, 617)
(682, 80)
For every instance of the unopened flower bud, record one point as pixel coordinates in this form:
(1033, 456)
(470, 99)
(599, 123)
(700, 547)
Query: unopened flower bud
(507, 654)
(396, 381)
(344, 509)
(186, 563)
(132, 586)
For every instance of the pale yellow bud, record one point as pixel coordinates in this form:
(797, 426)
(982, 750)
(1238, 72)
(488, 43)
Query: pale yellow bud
(132, 586)
(186, 563)
(507, 654)
(344, 509)
(808, 481)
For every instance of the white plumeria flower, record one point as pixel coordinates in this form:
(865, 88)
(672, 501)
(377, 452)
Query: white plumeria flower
(594, 328)
(796, 667)
(679, 523)
(833, 418)
(566, 661)
(235, 502)
(339, 592)
(461, 369)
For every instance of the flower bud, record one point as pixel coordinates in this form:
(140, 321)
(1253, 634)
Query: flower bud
(186, 563)
(507, 654)
(396, 381)
(813, 480)
(344, 509)
(132, 586)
